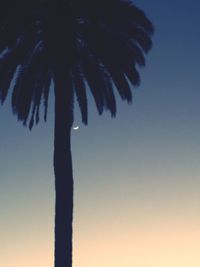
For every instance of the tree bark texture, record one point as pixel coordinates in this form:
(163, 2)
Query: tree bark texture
(63, 176)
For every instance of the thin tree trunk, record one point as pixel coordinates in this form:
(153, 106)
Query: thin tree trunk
(63, 176)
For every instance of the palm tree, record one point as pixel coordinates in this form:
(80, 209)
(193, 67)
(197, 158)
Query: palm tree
(77, 45)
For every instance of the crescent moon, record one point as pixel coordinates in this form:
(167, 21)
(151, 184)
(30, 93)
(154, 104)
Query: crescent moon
(76, 128)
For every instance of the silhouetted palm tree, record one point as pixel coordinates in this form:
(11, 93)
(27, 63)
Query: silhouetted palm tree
(79, 44)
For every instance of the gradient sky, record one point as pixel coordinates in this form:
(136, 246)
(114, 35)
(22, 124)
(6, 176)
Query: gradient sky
(137, 177)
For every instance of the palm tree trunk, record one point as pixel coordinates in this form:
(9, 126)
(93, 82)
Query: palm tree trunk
(63, 177)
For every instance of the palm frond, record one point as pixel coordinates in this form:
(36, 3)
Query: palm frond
(80, 89)
(46, 87)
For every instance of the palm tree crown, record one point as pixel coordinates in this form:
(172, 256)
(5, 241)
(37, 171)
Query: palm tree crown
(96, 44)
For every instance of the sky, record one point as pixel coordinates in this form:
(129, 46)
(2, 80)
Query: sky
(137, 177)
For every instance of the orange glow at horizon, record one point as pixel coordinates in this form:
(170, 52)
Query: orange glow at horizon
(158, 241)
(169, 244)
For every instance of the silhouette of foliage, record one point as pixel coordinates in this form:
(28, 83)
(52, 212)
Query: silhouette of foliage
(99, 44)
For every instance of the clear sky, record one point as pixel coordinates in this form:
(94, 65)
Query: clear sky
(137, 177)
